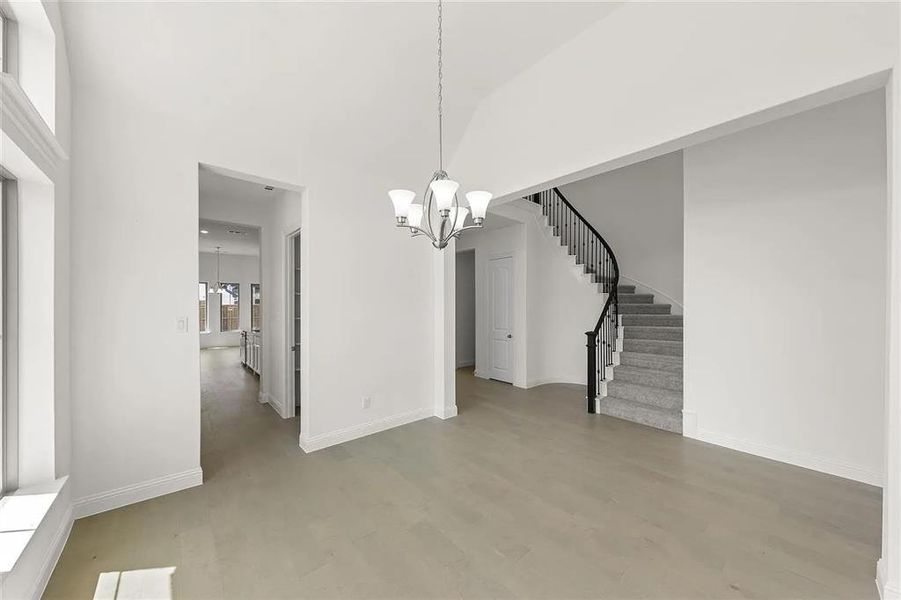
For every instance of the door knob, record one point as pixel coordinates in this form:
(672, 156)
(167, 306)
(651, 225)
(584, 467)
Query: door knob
(509, 336)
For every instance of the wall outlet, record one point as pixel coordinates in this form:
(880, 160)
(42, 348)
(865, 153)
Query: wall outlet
(181, 324)
(367, 402)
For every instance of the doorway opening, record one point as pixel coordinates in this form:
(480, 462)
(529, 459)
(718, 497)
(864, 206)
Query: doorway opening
(246, 267)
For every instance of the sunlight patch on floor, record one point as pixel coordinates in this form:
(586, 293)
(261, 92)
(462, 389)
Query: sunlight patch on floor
(141, 584)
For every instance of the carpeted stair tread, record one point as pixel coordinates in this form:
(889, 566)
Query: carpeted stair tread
(625, 289)
(671, 380)
(644, 332)
(658, 362)
(664, 347)
(636, 298)
(668, 420)
(646, 394)
(651, 320)
(644, 309)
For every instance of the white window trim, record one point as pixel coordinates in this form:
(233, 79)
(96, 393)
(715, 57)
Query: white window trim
(24, 124)
(9, 453)
(207, 330)
(10, 50)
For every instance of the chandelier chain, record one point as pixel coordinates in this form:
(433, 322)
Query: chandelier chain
(440, 113)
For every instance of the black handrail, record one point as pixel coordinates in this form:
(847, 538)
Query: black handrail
(591, 250)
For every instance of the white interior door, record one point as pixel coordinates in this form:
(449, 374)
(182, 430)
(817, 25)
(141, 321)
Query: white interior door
(500, 318)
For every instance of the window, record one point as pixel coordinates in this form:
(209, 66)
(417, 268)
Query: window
(256, 307)
(8, 335)
(203, 319)
(8, 43)
(230, 307)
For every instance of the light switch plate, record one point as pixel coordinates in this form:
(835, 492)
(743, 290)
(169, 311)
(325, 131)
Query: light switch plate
(181, 324)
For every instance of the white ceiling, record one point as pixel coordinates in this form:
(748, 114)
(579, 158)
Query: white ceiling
(233, 238)
(216, 185)
(351, 80)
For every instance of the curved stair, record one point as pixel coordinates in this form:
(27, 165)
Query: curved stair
(646, 385)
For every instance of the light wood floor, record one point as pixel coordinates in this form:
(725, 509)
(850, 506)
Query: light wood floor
(522, 495)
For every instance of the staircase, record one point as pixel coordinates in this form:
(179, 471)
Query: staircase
(646, 385)
(635, 349)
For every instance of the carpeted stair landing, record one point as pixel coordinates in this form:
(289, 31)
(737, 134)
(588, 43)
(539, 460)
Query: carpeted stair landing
(647, 384)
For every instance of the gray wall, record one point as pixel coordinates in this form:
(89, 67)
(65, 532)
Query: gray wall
(638, 209)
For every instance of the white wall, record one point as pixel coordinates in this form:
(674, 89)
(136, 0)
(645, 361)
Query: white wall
(466, 309)
(363, 280)
(638, 209)
(785, 289)
(562, 305)
(888, 568)
(243, 270)
(588, 103)
(554, 304)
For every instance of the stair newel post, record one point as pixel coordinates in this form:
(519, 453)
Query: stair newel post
(592, 380)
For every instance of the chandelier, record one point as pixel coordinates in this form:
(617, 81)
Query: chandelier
(217, 288)
(440, 217)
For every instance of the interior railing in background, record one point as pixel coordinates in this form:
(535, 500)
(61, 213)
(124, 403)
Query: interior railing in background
(594, 253)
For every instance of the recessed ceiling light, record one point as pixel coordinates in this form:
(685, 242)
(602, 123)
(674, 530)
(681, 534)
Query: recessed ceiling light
(204, 231)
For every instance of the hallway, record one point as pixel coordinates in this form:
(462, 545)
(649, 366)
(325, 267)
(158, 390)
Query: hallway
(522, 495)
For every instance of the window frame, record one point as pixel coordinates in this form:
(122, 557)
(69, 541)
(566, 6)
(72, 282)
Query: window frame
(9, 42)
(9, 334)
(206, 307)
(237, 297)
(256, 306)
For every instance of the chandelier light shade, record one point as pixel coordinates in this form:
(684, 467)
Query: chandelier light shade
(445, 191)
(478, 205)
(402, 200)
(415, 216)
(440, 218)
(457, 217)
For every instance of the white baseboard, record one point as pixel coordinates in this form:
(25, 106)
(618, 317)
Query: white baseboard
(138, 492)
(887, 590)
(690, 424)
(53, 553)
(324, 440)
(277, 406)
(480, 374)
(792, 457)
(446, 412)
(547, 380)
(468, 362)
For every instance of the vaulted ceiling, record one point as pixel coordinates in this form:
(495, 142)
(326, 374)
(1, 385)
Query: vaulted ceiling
(350, 78)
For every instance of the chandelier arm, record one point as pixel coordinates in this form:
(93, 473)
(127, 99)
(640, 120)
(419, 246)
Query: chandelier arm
(428, 215)
(427, 203)
(462, 229)
(421, 231)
